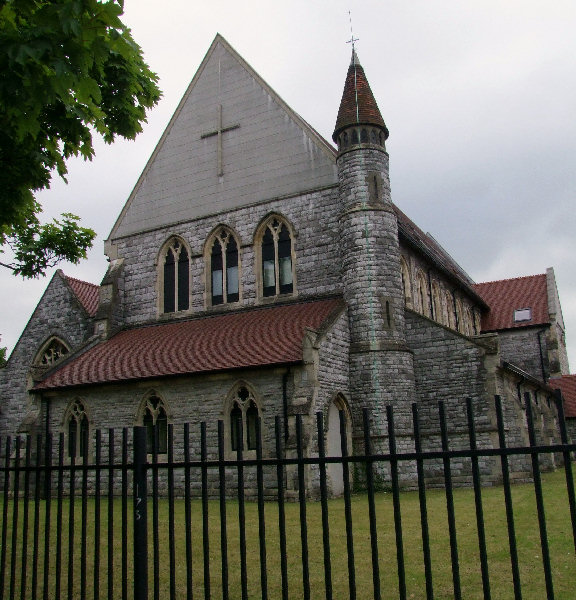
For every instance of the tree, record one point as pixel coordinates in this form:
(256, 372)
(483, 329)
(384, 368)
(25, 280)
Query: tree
(68, 69)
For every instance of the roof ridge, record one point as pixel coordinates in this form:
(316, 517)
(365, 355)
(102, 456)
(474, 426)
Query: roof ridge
(80, 280)
(512, 279)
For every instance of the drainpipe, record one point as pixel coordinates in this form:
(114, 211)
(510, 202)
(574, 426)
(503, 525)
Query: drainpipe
(542, 369)
(285, 402)
(46, 437)
(47, 424)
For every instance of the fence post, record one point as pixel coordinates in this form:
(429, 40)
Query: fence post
(140, 516)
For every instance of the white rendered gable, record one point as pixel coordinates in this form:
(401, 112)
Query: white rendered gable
(265, 150)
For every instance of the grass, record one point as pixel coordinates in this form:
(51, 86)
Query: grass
(531, 572)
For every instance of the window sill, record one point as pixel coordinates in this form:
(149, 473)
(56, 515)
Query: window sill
(277, 298)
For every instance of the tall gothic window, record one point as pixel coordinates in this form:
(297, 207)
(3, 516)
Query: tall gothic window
(78, 430)
(52, 352)
(155, 420)
(276, 257)
(422, 293)
(243, 420)
(406, 283)
(176, 277)
(224, 269)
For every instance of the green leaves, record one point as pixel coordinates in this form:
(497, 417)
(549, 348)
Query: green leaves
(36, 247)
(68, 68)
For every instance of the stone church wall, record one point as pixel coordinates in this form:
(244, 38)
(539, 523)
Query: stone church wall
(313, 217)
(450, 367)
(58, 314)
(526, 348)
(333, 366)
(571, 429)
(513, 390)
(187, 400)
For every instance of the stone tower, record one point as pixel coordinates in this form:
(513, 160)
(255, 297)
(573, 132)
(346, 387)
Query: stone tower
(381, 364)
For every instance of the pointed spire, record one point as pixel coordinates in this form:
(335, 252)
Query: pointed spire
(358, 106)
(354, 60)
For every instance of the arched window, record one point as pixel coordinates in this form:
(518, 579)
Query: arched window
(276, 254)
(244, 415)
(52, 352)
(406, 283)
(450, 308)
(175, 264)
(77, 429)
(460, 317)
(422, 292)
(224, 268)
(155, 419)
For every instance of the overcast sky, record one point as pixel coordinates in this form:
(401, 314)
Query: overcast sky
(479, 98)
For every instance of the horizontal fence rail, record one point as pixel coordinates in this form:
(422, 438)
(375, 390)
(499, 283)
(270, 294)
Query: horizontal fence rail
(414, 518)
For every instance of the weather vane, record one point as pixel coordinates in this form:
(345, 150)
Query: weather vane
(352, 38)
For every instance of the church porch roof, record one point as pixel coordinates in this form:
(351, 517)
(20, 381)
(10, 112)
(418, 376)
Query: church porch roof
(250, 338)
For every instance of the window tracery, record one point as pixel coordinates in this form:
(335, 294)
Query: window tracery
(155, 419)
(52, 353)
(244, 413)
(77, 429)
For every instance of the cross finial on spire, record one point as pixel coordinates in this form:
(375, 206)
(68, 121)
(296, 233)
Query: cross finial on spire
(352, 38)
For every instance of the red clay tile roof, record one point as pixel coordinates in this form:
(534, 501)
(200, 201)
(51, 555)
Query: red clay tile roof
(506, 296)
(365, 111)
(87, 294)
(251, 338)
(567, 385)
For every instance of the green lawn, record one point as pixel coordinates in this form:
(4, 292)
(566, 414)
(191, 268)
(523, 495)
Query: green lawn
(533, 587)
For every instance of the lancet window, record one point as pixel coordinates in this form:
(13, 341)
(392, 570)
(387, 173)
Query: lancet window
(77, 429)
(175, 277)
(224, 268)
(155, 419)
(277, 260)
(243, 420)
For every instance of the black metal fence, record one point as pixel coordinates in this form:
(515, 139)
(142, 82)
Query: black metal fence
(121, 524)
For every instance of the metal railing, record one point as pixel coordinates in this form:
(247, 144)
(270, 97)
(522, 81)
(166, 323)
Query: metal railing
(120, 523)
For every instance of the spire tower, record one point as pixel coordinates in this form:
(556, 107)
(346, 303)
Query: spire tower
(381, 364)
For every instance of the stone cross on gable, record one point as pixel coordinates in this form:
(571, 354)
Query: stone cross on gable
(219, 131)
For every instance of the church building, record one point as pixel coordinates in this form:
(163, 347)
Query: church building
(259, 270)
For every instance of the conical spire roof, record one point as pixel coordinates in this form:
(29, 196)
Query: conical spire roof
(358, 106)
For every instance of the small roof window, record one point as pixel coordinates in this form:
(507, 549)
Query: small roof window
(522, 314)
